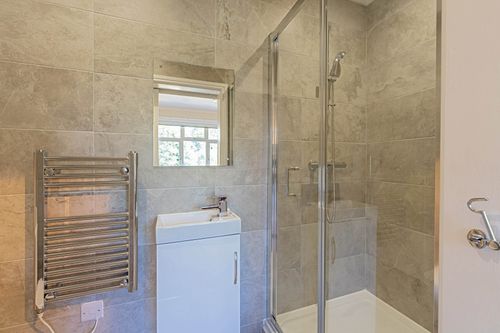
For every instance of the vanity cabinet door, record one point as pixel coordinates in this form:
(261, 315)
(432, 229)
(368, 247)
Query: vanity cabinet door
(198, 286)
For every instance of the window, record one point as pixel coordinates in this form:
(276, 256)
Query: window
(187, 145)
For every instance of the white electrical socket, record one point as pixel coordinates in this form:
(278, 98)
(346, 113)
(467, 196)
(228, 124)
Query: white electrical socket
(92, 310)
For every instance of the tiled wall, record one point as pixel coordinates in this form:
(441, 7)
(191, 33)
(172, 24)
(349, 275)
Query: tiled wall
(402, 140)
(75, 79)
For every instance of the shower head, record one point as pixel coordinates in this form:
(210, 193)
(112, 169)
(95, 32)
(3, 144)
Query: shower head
(336, 67)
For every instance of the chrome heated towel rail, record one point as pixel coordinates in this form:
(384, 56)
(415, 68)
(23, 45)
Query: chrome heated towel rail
(79, 255)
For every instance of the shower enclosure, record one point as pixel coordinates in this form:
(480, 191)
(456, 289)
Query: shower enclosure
(354, 141)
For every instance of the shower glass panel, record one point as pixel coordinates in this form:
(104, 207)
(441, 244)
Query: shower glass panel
(380, 241)
(297, 113)
(379, 121)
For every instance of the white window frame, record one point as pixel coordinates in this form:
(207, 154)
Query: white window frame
(183, 138)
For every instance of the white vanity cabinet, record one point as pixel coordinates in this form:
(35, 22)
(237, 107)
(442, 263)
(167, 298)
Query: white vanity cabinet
(198, 273)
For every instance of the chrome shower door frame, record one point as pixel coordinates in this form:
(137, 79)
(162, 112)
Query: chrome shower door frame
(271, 324)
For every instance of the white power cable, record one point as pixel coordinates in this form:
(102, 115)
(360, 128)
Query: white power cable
(40, 316)
(51, 330)
(95, 326)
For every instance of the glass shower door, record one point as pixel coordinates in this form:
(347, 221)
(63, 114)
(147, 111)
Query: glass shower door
(295, 136)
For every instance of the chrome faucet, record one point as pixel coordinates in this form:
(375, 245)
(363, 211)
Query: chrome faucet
(221, 205)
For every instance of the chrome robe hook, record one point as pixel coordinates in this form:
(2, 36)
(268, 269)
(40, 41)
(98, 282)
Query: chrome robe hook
(473, 234)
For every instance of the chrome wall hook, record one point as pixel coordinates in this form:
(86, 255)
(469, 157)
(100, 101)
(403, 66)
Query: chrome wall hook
(472, 235)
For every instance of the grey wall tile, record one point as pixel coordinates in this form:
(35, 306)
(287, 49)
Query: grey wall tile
(409, 73)
(129, 48)
(253, 300)
(301, 36)
(311, 7)
(354, 155)
(346, 13)
(16, 220)
(249, 202)
(310, 282)
(197, 16)
(13, 307)
(411, 296)
(310, 119)
(351, 40)
(45, 98)
(81, 4)
(299, 75)
(289, 155)
(405, 29)
(133, 317)
(289, 118)
(289, 211)
(123, 104)
(308, 243)
(249, 165)
(289, 243)
(250, 115)
(405, 205)
(371, 236)
(377, 11)
(41, 33)
(409, 251)
(402, 116)
(407, 117)
(290, 290)
(371, 273)
(350, 123)
(347, 238)
(16, 159)
(60, 324)
(249, 63)
(252, 328)
(248, 22)
(347, 275)
(350, 191)
(253, 254)
(353, 86)
(408, 161)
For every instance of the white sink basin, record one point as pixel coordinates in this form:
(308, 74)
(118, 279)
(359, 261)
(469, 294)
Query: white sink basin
(180, 227)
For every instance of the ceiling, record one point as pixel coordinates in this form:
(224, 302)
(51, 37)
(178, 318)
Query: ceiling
(363, 2)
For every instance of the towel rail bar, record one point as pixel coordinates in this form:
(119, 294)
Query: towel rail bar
(79, 255)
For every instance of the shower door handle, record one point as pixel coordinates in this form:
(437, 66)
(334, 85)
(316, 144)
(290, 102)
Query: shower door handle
(290, 194)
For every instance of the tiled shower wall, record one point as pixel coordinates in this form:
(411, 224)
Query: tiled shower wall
(385, 131)
(76, 79)
(402, 143)
(298, 133)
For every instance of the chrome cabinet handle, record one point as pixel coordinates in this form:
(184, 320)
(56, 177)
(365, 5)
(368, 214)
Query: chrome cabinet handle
(288, 181)
(235, 279)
